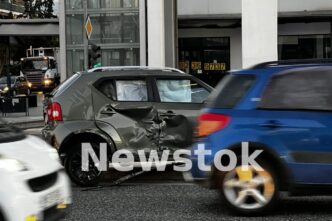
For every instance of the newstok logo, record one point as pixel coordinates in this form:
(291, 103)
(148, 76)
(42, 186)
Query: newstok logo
(124, 160)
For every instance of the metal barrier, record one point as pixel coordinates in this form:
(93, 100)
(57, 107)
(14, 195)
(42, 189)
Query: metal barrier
(14, 105)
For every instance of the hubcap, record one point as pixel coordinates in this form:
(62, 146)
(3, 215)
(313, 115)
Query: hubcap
(247, 188)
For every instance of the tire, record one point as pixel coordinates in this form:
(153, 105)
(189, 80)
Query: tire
(2, 218)
(239, 182)
(73, 163)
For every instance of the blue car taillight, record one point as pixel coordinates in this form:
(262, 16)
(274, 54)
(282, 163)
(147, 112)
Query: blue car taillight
(209, 123)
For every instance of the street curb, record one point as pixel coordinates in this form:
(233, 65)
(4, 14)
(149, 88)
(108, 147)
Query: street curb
(29, 125)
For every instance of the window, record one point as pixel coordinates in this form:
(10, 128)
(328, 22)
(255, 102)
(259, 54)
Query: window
(300, 90)
(206, 58)
(230, 91)
(74, 4)
(75, 61)
(74, 29)
(65, 85)
(52, 64)
(182, 91)
(115, 28)
(35, 64)
(304, 47)
(120, 57)
(113, 4)
(124, 90)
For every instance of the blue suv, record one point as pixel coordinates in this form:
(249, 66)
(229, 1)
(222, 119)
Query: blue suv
(283, 108)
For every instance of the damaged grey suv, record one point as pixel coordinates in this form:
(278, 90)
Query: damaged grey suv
(132, 108)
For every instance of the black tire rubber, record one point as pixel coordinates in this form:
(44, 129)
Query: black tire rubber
(263, 211)
(2, 218)
(68, 164)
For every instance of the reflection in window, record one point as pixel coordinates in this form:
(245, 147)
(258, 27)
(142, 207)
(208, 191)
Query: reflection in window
(304, 47)
(75, 61)
(183, 91)
(113, 4)
(115, 28)
(74, 29)
(132, 90)
(120, 57)
(74, 4)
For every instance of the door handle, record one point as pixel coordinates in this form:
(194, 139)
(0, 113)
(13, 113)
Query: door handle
(272, 124)
(167, 114)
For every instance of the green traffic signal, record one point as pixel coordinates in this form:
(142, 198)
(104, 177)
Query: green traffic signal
(94, 55)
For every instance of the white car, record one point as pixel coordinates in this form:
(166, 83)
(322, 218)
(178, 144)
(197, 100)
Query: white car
(33, 184)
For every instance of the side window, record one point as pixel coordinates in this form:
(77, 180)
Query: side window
(124, 90)
(52, 64)
(181, 91)
(108, 89)
(131, 90)
(301, 90)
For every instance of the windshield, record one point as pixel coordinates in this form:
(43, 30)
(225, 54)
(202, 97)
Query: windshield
(3, 80)
(34, 64)
(9, 133)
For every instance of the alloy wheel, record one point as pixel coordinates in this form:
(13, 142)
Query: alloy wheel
(249, 189)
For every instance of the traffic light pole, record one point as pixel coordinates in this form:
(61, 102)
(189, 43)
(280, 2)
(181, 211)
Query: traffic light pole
(9, 93)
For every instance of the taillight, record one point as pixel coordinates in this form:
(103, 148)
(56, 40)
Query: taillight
(54, 112)
(209, 123)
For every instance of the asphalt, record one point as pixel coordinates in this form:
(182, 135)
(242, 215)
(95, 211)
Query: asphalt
(179, 201)
(165, 196)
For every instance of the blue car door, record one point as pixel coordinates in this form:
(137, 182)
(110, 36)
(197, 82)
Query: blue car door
(296, 113)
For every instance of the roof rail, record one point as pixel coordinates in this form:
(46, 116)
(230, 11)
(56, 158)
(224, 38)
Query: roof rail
(123, 68)
(291, 62)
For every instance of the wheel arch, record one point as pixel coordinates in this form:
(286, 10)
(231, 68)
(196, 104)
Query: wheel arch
(83, 136)
(268, 154)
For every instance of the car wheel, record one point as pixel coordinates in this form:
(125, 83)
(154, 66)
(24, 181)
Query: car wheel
(250, 192)
(73, 165)
(2, 218)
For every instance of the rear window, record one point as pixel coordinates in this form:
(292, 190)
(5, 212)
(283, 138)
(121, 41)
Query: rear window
(65, 84)
(9, 133)
(230, 91)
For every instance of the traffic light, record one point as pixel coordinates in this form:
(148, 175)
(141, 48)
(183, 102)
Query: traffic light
(94, 55)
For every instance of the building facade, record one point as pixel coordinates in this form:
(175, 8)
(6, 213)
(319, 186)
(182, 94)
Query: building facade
(212, 31)
(204, 38)
(115, 26)
(11, 8)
